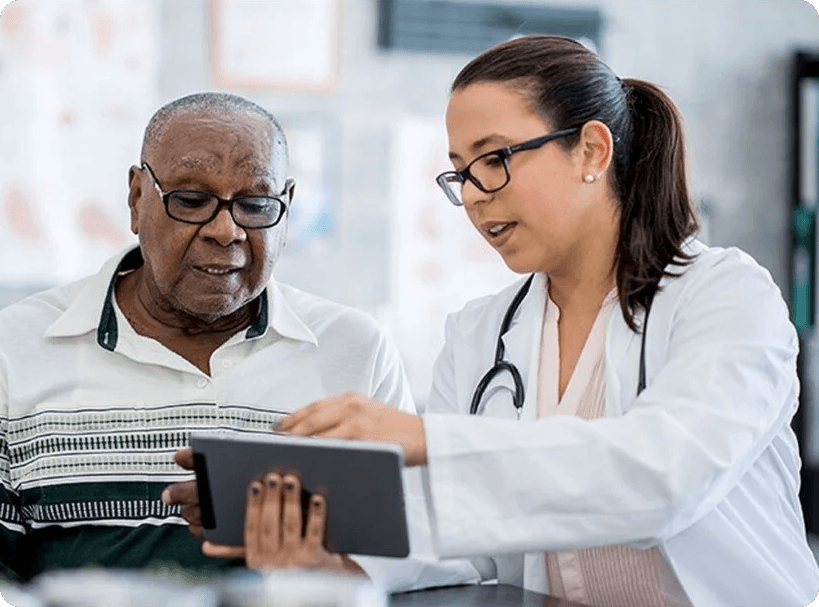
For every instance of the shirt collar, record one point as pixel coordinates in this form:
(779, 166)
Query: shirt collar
(84, 312)
(284, 318)
(93, 308)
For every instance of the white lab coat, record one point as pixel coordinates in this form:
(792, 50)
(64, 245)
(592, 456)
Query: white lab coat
(703, 464)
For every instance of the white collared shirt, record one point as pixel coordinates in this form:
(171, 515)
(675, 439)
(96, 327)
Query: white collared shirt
(91, 413)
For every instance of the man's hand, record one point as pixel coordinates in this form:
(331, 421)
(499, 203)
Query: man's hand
(353, 416)
(273, 530)
(185, 495)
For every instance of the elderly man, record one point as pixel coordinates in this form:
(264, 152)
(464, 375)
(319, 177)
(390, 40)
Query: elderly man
(102, 380)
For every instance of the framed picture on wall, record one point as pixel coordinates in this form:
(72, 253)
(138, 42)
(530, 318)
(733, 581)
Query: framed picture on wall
(282, 45)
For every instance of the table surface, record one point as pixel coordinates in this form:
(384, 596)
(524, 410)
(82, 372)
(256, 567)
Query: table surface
(499, 595)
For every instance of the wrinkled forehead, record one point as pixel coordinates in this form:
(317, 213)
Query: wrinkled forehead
(210, 141)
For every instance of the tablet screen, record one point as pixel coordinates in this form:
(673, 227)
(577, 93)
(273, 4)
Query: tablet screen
(361, 480)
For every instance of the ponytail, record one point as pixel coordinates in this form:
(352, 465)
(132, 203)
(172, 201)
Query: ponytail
(656, 215)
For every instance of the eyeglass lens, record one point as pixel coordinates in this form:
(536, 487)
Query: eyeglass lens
(488, 171)
(200, 207)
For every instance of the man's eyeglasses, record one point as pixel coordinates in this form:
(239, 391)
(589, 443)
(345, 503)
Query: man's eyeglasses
(193, 206)
(490, 172)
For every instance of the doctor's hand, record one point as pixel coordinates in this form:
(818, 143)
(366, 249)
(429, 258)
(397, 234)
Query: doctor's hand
(273, 530)
(354, 417)
(185, 495)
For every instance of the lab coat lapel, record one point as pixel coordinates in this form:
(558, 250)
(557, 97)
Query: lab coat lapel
(622, 363)
(523, 341)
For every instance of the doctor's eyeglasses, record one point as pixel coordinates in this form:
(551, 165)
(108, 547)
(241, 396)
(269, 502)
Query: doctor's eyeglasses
(193, 206)
(490, 172)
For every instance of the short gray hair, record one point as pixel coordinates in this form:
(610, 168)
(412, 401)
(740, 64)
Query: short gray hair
(211, 103)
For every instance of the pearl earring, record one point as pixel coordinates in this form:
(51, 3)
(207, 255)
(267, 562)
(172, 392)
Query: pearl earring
(588, 178)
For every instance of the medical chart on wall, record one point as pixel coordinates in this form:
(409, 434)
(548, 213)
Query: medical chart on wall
(438, 260)
(77, 86)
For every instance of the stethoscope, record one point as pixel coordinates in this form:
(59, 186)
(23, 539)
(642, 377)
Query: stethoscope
(518, 395)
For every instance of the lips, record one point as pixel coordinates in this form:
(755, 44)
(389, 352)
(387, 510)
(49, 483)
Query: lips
(217, 270)
(497, 230)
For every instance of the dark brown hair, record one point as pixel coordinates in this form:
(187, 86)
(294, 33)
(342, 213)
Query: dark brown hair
(569, 85)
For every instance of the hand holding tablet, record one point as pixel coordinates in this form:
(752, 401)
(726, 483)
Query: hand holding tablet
(356, 488)
(278, 534)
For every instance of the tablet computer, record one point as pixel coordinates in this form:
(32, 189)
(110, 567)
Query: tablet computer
(361, 480)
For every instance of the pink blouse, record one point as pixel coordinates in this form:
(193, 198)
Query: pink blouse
(603, 576)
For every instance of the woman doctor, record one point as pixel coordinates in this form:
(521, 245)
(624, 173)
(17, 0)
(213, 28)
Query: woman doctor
(630, 443)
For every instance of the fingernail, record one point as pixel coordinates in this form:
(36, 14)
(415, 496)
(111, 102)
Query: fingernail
(254, 489)
(272, 483)
(289, 485)
(166, 497)
(316, 503)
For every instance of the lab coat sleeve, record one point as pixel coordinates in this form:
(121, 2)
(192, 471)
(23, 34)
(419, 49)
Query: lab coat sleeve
(725, 387)
(421, 569)
(442, 399)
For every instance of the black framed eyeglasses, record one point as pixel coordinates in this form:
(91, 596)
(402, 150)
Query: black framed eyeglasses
(194, 206)
(489, 172)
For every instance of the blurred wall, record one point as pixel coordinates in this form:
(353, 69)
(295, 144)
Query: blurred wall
(725, 62)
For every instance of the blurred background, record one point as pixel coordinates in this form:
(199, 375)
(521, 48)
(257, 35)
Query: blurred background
(360, 87)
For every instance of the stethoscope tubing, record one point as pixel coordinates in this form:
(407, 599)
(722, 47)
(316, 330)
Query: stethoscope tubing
(503, 365)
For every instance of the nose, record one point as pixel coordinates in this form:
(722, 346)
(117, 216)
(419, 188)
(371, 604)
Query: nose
(472, 194)
(223, 229)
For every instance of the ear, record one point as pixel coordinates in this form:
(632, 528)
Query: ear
(290, 190)
(597, 148)
(134, 196)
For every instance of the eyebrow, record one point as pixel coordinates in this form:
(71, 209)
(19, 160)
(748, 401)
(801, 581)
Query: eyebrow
(256, 169)
(501, 141)
(264, 175)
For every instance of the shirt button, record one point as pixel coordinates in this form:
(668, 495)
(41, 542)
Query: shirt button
(202, 383)
(227, 364)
